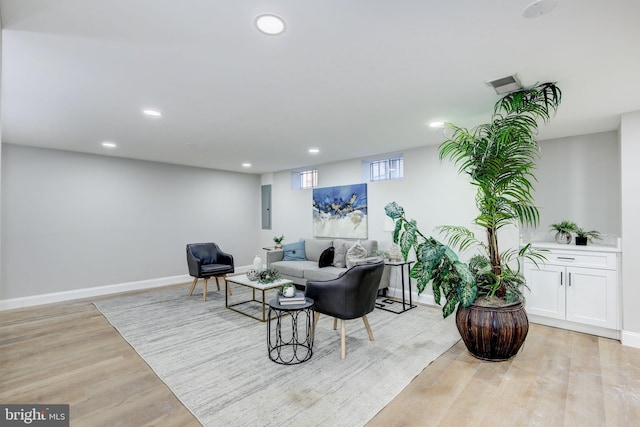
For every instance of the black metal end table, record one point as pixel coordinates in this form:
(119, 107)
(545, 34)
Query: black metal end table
(386, 303)
(290, 342)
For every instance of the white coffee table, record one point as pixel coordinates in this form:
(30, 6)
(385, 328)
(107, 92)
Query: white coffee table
(242, 280)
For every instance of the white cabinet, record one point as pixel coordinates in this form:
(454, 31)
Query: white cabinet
(546, 295)
(576, 290)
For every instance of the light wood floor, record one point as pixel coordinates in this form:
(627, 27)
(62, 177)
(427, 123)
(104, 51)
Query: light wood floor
(69, 353)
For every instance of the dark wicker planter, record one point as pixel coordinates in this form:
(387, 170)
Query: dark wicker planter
(493, 333)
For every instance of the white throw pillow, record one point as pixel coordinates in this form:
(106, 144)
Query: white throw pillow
(355, 253)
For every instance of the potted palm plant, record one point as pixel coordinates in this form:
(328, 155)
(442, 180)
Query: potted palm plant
(499, 158)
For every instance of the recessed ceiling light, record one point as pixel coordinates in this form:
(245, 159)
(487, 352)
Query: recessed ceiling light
(107, 144)
(314, 150)
(152, 113)
(246, 165)
(270, 24)
(436, 124)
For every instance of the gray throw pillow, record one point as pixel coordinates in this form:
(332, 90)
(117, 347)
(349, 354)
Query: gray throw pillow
(339, 254)
(313, 248)
(355, 253)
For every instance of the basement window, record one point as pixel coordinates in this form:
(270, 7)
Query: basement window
(386, 169)
(304, 179)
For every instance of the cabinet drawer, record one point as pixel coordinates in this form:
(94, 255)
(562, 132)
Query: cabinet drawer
(585, 259)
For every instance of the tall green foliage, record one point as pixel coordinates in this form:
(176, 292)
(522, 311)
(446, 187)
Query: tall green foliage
(499, 157)
(435, 263)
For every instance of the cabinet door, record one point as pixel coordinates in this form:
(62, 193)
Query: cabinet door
(592, 296)
(546, 294)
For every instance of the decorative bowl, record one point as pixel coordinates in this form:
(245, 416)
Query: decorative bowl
(253, 274)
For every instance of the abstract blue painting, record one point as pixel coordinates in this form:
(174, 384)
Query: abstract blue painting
(340, 211)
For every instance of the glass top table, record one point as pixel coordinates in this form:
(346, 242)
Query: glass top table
(254, 285)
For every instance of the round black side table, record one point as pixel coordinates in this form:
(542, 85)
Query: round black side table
(290, 340)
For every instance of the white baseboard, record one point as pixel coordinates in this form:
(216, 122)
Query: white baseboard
(425, 298)
(573, 326)
(630, 339)
(29, 301)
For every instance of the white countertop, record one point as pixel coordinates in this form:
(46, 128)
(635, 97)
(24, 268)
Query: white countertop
(573, 247)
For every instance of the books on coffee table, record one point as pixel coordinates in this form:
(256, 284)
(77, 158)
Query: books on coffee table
(297, 298)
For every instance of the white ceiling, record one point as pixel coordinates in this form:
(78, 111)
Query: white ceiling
(354, 78)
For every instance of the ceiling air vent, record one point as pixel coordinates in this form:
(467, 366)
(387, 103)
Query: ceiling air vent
(505, 84)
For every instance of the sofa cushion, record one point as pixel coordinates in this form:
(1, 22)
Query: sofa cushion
(326, 257)
(212, 269)
(323, 274)
(355, 253)
(314, 248)
(294, 251)
(340, 253)
(294, 268)
(371, 246)
(340, 257)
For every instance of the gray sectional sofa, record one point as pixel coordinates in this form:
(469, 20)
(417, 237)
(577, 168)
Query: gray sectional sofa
(299, 271)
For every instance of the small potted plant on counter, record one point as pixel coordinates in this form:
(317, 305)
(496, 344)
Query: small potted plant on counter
(583, 236)
(563, 231)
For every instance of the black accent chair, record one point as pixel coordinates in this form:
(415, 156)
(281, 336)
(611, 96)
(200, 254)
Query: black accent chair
(206, 260)
(350, 296)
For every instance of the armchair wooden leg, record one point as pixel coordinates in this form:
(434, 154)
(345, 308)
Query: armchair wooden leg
(217, 283)
(228, 287)
(335, 323)
(204, 290)
(193, 286)
(316, 317)
(343, 344)
(366, 325)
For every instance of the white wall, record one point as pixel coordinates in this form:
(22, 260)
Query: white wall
(92, 221)
(434, 194)
(630, 173)
(579, 180)
(431, 192)
(1, 231)
(73, 221)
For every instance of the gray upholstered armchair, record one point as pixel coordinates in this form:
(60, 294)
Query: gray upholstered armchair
(206, 260)
(350, 296)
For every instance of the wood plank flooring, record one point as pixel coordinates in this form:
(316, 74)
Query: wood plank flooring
(69, 353)
(560, 378)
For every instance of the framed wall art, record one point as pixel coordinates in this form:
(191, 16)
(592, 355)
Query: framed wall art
(340, 211)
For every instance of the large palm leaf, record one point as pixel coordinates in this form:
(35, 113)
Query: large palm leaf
(500, 157)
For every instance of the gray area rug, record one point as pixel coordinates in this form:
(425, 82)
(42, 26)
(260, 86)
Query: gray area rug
(215, 360)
